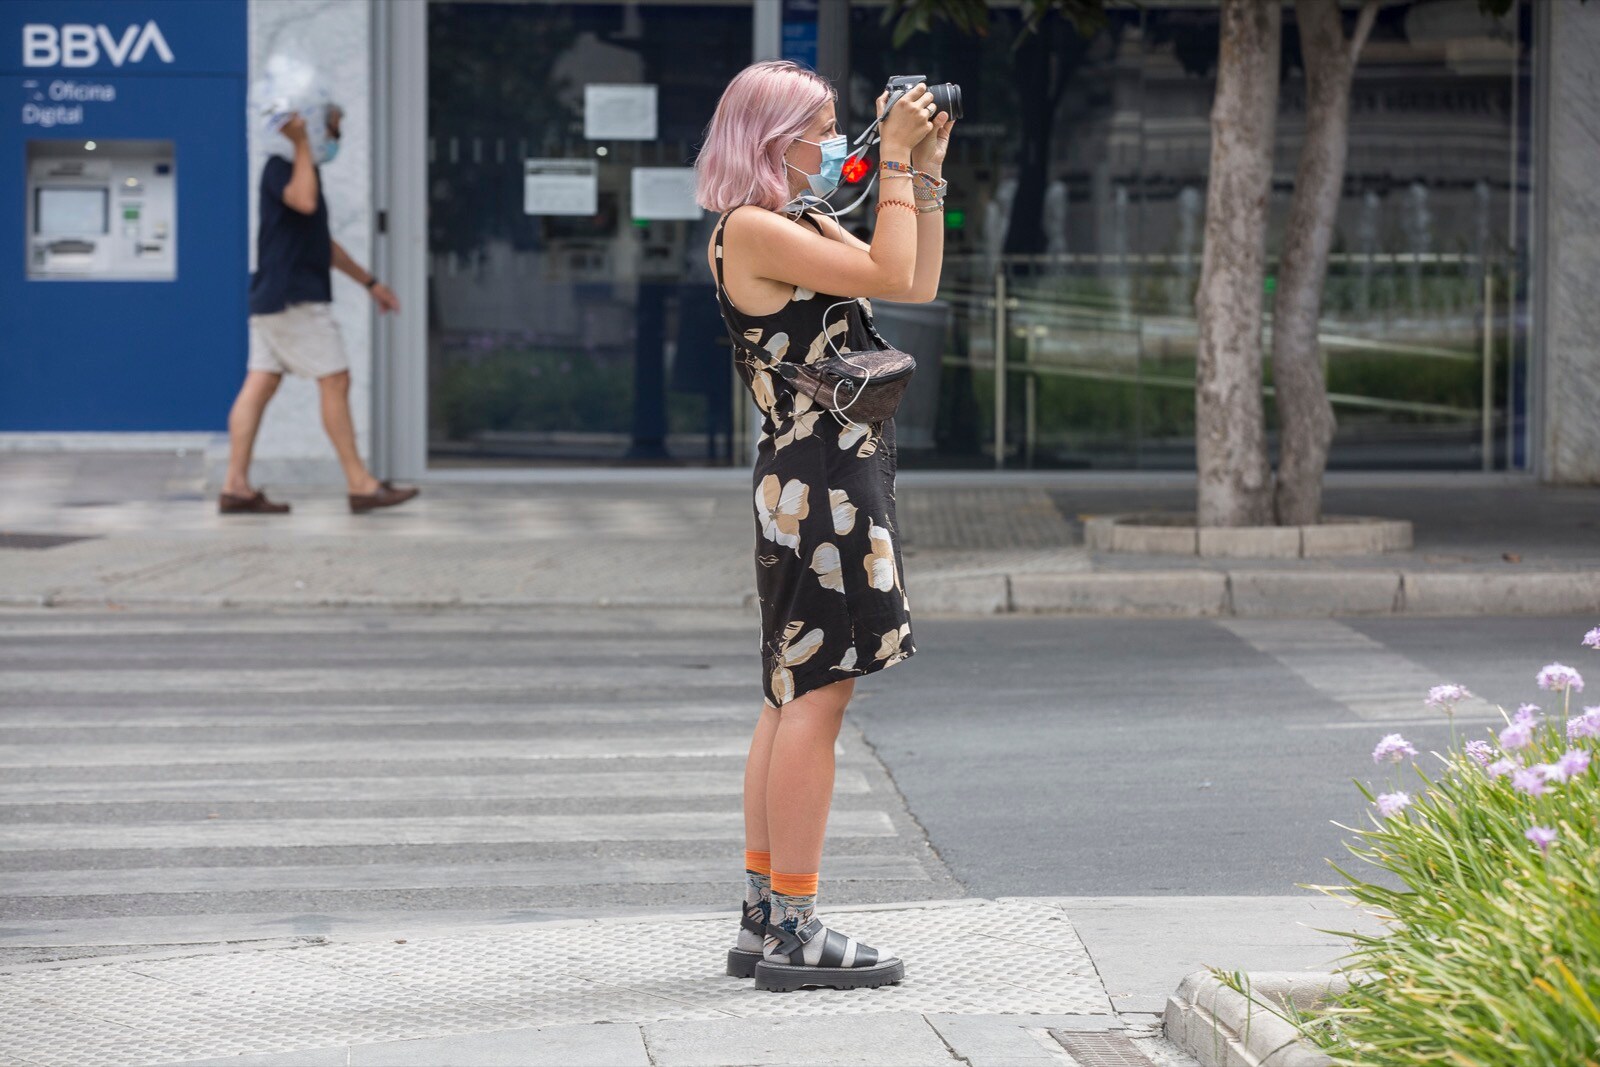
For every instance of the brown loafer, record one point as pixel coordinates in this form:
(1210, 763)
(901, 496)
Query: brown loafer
(387, 496)
(254, 504)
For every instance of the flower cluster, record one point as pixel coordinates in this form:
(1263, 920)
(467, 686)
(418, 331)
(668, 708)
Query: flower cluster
(1521, 732)
(1559, 676)
(1392, 749)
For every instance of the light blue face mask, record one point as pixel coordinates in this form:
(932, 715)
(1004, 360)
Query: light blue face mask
(330, 149)
(835, 150)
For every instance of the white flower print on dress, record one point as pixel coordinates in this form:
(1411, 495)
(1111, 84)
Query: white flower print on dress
(820, 347)
(801, 426)
(844, 512)
(792, 653)
(880, 561)
(861, 432)
(893, 648)
(780, 510)
(825, 562)
(848, 661)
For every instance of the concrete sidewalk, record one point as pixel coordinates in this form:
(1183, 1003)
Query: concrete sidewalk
(989, 982)
(975, 544)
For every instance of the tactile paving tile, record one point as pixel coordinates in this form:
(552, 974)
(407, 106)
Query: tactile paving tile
(1002, 957)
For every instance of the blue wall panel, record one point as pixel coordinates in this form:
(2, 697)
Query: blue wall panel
(132, 355)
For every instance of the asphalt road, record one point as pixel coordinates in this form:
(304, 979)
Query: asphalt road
(221, 776)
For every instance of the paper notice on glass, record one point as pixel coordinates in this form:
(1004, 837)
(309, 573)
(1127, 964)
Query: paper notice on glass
(664, 193)
(560, 187)
(619, 112)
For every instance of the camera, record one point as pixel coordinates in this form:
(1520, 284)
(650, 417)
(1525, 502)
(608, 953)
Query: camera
(946, 94)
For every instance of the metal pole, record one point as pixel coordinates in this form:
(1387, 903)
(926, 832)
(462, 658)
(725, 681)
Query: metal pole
(1000, 368)
(1031, 400)
(1488, 368)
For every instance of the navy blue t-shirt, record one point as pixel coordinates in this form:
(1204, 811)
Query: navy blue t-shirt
(294, 252)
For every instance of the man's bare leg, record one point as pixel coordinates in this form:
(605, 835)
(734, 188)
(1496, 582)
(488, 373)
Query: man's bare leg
(336, 420)
(244, 422)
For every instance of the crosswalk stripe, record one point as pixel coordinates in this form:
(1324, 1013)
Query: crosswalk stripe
(1348, 667)
(601, 870)
(680, 745)
(417, 830)
(728, 782)
(363, 716)
(647, 677)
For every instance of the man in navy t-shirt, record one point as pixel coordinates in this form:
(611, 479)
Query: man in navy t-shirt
(291, 323)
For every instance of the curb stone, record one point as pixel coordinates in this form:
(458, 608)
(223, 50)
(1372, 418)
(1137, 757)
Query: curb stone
(1223, 1028)
(1186, 593)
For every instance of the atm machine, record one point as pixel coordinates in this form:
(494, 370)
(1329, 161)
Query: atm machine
(101, 210)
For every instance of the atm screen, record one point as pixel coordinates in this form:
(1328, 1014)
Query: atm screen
(71, 212)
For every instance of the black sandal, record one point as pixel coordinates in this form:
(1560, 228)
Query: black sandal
(811, 955)
(753, 917)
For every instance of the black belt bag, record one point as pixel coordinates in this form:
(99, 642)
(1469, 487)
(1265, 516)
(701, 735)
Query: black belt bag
(861, 386)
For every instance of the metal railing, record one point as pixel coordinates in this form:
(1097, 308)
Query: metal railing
(1001, 310)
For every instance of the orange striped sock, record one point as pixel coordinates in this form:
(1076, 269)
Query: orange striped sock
(758, 862)
(794, 885)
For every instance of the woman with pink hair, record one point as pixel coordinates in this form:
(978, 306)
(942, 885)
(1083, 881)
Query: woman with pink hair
(793, 287)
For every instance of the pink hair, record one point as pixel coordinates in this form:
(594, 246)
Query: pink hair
(762, 111)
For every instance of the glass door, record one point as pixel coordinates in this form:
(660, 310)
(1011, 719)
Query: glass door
(571, 317)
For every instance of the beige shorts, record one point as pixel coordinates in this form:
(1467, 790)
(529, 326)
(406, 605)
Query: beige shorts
(301, 339)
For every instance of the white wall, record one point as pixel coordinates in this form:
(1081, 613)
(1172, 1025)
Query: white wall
(335, 35)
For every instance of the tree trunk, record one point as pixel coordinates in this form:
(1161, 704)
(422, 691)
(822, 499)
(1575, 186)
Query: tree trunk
(1230, 440)
(1305, 417)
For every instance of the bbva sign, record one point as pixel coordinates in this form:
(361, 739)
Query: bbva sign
(77, 44)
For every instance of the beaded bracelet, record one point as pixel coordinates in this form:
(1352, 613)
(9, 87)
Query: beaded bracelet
(894, 166)
(896, 203)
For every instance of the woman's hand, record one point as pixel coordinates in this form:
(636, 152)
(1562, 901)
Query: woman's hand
(910, 121)
(928, 155)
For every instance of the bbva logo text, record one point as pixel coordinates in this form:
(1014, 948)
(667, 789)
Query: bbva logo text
(77, 44)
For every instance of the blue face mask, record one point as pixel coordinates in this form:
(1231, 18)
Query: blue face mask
(330, 149)
(835, 150)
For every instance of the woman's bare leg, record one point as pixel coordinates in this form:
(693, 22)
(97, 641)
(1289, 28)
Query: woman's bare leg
(800, 777)
(755, 781)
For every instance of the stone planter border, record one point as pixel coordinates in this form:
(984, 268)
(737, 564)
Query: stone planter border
(1223, 1028)
(1175, 534)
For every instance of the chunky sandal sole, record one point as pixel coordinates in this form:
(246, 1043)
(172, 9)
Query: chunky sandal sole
(787, 977)
(742, 962)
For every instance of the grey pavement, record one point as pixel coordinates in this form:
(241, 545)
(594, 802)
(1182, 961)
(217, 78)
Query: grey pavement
(975, 543)
(500, 776)
(214, 824)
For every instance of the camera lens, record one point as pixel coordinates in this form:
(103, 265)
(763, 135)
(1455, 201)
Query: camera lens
(948, 97)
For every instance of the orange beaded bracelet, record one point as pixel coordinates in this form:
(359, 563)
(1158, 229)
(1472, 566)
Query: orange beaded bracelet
(897, 203)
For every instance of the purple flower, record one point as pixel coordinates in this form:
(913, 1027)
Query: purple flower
(1542, 836)
(1446, 697)
(1585, 725)
(1518, 735)
(1559, 676)
(1393, 748)
(1529, 780)
(1592, 638)
(1550, 772)
(1573, 762)
(1481, 751)
(1526, 713)
(1501, 767)
(1390, 804)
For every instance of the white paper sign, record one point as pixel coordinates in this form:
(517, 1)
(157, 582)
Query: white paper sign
(664, 193)
(619, 112)
(560, 187)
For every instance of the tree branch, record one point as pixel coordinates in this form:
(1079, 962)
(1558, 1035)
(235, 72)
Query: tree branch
(1364, 21)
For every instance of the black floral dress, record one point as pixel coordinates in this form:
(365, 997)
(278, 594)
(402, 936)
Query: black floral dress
(828, 567)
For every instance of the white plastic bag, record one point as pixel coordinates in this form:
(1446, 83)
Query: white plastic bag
(290, 85)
